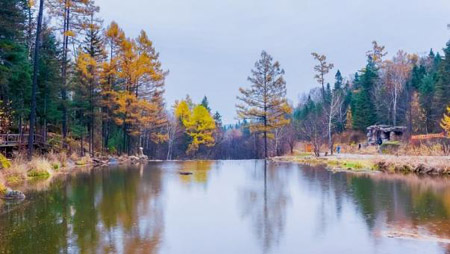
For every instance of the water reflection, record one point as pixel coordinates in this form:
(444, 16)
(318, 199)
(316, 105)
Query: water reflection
(230, 207)
(264, 200)
(200, 171)
(415, 206)
(104, 211)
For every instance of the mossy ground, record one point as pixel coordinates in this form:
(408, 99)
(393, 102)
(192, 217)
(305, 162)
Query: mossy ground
(332, 163)
(38, 173)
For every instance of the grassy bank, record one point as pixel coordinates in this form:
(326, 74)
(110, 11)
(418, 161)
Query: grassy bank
(22, 174)
(426, 165)
(330, 162)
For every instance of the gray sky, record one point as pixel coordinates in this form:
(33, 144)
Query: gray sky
(209, 46)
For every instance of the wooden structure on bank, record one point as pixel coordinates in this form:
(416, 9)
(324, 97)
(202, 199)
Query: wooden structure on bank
(384, 133)
(427, 137)
(10, 142)
(433, 138)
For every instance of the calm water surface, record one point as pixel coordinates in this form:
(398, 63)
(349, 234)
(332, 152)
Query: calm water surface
(230, 207)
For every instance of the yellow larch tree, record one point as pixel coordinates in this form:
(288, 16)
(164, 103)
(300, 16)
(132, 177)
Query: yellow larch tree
(199, 125)
(108, 79)
(133, 88)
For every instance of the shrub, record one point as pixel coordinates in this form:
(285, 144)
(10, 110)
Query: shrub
(2, 189)
(56, 166)
(34, 173)
(353, 165)
(112, 149)
(39, 167)
(4, 162)
(14, 179)
(62, 157)
(83, 161)
(390, 147)
(57, 160)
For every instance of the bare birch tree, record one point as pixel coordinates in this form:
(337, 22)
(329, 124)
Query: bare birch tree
(334, 108)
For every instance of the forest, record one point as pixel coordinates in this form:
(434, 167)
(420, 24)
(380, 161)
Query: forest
(88, 88)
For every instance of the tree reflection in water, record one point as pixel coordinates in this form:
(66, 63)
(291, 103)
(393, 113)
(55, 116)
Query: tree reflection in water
(264, 201)
(104, 211)
(258, 207)
(200, 171)
(411, 204)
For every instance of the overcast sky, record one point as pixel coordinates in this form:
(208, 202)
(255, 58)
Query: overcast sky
(209, 46)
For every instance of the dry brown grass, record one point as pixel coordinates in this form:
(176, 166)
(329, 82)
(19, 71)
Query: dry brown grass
(57, 160)
(407, 164)
(22, 171)
(39, 167)
(422, 150)
(14, 178)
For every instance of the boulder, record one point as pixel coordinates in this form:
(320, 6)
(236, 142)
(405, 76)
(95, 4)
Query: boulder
(13, 195)
(113, 161)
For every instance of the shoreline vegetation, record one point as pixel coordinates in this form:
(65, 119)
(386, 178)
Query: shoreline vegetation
(21, 174)
(403, 164)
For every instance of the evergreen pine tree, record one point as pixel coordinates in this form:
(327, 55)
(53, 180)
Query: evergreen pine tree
(48, 81)
(363, 107)
(205, 103)
(417, 74)
(339, 80)
(442, 89)
(15, 68)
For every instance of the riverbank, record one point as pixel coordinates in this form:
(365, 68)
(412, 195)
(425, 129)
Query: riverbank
(21, 174)
(424, 165)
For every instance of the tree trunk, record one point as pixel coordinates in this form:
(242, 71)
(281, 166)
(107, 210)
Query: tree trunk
(126, 138)
(394, 110)
(255, 147)
(330, 137)
(92, 118)
(169, 150)
(21, 129)
(64, 73)
(44, 124)
(265, 139)
(35, 79)
(81, 146)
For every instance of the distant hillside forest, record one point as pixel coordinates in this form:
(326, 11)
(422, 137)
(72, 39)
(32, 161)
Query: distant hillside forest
(88, 88)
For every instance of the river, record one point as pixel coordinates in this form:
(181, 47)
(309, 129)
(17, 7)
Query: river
(230, 207)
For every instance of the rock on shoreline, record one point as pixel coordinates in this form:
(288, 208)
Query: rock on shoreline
(13, 195)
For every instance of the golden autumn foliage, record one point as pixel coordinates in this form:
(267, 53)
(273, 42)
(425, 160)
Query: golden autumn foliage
(132, 85)
(445, 122)
(87, 65)
(136, 114)
(182, 111)
(198, 124)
